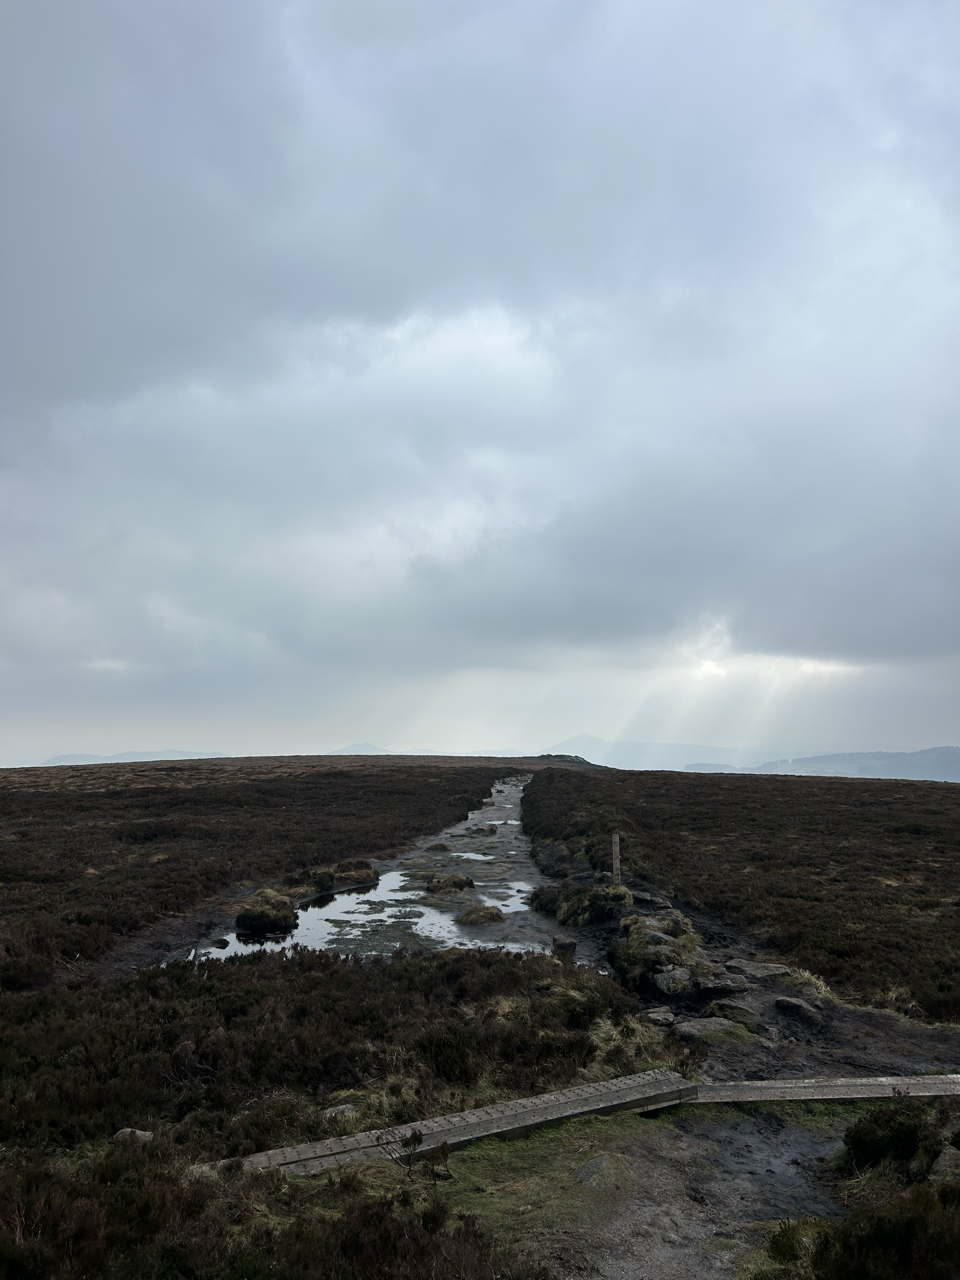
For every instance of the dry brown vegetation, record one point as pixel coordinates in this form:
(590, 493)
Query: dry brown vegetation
(91, 854)
(857, 880)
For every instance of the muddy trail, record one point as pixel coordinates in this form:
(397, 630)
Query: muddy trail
(704, 1182)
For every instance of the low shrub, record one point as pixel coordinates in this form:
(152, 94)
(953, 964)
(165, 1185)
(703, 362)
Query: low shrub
(140, 1212)
(240, 1054)
(897, 1132)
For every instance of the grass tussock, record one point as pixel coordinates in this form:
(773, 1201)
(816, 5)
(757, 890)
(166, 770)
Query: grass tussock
(856, 880)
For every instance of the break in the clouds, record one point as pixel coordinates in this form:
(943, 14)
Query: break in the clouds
(474, 374)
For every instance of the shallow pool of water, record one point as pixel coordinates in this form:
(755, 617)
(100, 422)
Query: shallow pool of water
(400, 911)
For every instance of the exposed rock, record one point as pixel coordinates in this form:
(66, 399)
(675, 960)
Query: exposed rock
(133, 1135)
(724, 983)
(661, 1016)
(758, 969)
(946, 1166)
(736, 1011)
(345, 1110)
(673, 982)
(799, 1009)
(653, 899)
(564, 945)
(589, 1172)
(659, 939)
(439, 847)
(481, 915)
(707, 1029)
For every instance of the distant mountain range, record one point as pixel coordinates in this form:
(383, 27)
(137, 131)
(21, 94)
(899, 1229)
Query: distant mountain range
(934, 764)
(126, 757)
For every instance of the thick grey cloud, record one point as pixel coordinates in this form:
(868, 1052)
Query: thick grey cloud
(469, 372)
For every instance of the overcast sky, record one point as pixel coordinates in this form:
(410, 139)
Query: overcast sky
(470, 374)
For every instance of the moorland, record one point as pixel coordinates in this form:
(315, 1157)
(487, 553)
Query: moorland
(855, 880)
(223, 1058)
(199, 1062)
(91, 855)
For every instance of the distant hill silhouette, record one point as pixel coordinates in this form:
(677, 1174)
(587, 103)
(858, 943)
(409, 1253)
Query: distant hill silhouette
(933, 764)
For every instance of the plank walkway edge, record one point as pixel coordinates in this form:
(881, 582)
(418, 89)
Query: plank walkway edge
(824, 1090)
(648, 1091)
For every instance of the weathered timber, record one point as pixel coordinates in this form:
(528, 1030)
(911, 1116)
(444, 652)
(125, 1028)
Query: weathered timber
(819, 1090)
(647, 1091)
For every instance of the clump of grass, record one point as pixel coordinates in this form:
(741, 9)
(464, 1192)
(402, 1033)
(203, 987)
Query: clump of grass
(481, 915)
(449, 884)
(268, 913)
(579, 905)
(902, 1228)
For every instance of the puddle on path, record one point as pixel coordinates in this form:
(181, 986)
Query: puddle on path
(489, 847)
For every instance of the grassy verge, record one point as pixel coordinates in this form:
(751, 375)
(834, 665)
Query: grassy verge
(856, 880)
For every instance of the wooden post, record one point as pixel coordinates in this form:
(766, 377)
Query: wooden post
(616, 857)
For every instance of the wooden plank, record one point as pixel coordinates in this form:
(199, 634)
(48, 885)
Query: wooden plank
(829, 1090)
(646, 1091)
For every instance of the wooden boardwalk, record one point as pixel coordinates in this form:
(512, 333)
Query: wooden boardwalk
(644, 1092)
(648, 1091)
(820, 1090)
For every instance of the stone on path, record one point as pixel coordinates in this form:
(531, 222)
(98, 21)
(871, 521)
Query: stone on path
(673, 982)
(724, 984)
(798, 1009)
(737, 1011)
(758, 969)
(692, 1029)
